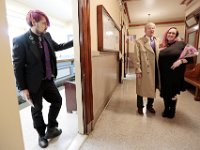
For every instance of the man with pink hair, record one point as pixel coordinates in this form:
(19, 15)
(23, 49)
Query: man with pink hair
(35, 68)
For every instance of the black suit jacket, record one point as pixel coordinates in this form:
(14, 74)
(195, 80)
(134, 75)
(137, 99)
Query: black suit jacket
(28, 65)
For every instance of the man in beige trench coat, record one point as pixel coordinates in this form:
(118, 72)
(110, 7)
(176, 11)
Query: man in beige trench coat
(146, 68)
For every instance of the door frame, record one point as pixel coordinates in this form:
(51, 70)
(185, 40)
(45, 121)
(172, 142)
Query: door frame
(86, 64)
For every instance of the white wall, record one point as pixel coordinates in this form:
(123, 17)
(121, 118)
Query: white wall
(11, 134)
(104, 65)
(60, 30)
(114, 11)
(77, 68)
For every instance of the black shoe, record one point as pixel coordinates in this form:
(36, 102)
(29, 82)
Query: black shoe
(165, 114)
(166, 111)
(43, 142)
(52, 132)
(151, 110)
(140, 111)
(173, 109)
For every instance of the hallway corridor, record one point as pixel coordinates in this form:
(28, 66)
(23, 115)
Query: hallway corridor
(121, 128)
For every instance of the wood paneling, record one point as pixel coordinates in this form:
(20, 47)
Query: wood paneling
(127, 12)
(193, 30)
(130, 0)
(86, 66)
(159, 23)
(186, 2)
(100, 27)
(70, 93)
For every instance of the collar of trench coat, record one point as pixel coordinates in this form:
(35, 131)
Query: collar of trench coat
(146, 41)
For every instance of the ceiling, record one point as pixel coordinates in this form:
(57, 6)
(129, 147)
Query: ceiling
(138, 10)
(61, 9)
(142, 11)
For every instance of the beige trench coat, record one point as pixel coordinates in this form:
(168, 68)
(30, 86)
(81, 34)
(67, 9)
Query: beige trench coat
(144, 62)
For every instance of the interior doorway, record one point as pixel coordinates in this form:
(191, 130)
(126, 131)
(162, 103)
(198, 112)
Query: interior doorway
(62, 30)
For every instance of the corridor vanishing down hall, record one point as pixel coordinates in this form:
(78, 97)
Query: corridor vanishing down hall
(120, 127)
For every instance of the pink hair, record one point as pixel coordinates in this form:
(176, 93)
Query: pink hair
(36, 15)
(165, 41)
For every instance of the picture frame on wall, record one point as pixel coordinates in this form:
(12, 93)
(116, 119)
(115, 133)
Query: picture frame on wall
(191, 21)
(108, 31)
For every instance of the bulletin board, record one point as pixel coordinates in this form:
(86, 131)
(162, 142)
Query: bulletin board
(108, 31)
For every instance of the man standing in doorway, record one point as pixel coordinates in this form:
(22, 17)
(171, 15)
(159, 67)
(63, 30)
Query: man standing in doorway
(146, 69)
(35, 68)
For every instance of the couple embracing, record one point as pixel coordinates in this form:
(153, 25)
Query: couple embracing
(160, 65)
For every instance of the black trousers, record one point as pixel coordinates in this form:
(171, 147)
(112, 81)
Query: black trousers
(50, 93)
(140, 102)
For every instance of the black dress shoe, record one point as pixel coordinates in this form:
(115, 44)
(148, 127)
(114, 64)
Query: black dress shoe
(140, 111)
(151, 110)
(43, 142)
(166, 113)
(52, 132)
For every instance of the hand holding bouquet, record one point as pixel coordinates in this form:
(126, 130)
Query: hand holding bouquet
(189, 51)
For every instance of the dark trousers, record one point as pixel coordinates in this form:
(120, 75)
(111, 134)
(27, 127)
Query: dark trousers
(140, 102)
(50, 93)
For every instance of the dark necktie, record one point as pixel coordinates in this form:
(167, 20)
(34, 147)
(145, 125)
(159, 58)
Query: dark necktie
(47, 60)
(152, 43)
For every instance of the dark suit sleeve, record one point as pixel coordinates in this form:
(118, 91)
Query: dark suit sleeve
(62, 46)
(19, 62)
(58, 47)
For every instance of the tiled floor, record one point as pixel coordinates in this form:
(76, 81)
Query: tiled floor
(67, 122)
(121, 128)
